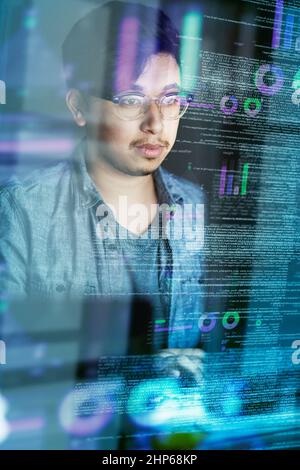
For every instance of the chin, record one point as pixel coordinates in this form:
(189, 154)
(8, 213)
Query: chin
(141, 171)
(142, 168)
(148, 169)
(133, 166)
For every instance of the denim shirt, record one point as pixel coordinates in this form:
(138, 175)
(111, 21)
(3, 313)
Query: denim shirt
(49, 244)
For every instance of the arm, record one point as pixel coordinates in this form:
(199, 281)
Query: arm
(13, 247)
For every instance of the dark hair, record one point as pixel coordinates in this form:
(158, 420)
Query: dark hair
(90, 50)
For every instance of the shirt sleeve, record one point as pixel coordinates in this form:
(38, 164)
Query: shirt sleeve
(13, 248)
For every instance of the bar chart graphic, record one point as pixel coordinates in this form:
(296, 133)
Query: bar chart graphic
(227, 177)
(283, 28)
(288, 33)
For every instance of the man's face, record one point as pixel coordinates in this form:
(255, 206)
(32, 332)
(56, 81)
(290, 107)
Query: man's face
(120, 142)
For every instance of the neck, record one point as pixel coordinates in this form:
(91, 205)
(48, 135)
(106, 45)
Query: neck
(112, 184)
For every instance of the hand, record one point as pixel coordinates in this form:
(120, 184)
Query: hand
(185, 364)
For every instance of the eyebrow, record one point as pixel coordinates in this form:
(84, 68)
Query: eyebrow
(167, 87)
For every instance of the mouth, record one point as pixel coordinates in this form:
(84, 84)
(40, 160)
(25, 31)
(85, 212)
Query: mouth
(151, 151)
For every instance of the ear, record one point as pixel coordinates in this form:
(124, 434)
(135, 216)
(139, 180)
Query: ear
(76, 105)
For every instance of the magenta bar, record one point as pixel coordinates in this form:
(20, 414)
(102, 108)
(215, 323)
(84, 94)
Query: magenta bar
(32, 424)
(202, 105)
(223, 180)
(207, 106)
(128, 41)
(277, 24)
(36, 146)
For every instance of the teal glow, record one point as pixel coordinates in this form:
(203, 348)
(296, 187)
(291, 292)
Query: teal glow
(3, 306)
(296, 81)
(30, 20)
(191, 30)
(152, 402)
(163, 403)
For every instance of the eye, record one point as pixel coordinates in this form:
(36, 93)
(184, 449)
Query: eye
(170, 100)
(131, 100)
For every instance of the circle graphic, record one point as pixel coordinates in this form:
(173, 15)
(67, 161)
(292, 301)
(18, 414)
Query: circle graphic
(226, 109)
(227, 316)
(248, 106)
(82, 412)
(211, 318)
(265, 89)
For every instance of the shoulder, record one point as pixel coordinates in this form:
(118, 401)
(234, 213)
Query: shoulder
(40, 187)
(179, 187)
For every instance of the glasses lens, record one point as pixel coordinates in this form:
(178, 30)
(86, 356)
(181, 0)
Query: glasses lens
(174, 106)
(130, 106)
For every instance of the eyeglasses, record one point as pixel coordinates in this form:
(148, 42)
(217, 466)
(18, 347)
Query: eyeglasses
(131, 105)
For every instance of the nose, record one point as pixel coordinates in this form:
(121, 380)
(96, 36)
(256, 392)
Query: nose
(152, 120)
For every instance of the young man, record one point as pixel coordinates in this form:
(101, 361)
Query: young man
(65, 232)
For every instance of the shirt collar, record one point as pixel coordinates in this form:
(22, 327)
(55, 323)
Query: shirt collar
(88, 195)
(84, 187)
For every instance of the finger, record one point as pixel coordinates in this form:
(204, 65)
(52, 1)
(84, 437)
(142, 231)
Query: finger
(167, 353)
(187, 363)
(186, 351)
(175, 373)
(195, 368)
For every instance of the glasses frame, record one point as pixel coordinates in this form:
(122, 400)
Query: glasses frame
(158, 100)
(147, 100)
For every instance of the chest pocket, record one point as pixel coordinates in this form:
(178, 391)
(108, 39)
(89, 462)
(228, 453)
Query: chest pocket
(58, 288)
(47, 288)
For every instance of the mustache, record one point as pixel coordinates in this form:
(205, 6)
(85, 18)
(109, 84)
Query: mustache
(163, 143)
